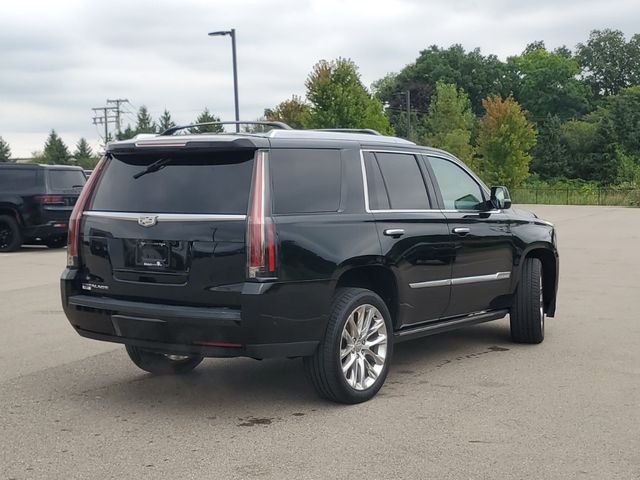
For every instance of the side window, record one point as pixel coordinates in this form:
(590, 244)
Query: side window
(305, 180)
(459, 190)
(378, 198)
(402, 180)
(15, 180)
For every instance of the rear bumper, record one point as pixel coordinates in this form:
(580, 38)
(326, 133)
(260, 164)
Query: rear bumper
(257, 329)
(54, 228)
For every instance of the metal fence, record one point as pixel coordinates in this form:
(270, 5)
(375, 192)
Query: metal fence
(577, 196)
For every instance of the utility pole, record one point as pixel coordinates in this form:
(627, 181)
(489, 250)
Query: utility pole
(103, 118)
(232, 34)
(118, 102)
(408, 114)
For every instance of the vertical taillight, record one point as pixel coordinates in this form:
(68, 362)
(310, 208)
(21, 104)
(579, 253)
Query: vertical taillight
(73, 243)
(261, 235)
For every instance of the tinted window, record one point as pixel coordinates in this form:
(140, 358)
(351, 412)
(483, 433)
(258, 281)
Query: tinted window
(378, 198)
(193, 183)
(65, 179)
(403, 181)
(459, 191)
(305, 181)
(14, 180)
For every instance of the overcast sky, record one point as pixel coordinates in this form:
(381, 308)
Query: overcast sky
(58, 59)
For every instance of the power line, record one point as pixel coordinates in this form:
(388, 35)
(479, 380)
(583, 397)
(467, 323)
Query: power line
(118, 109)
(103, 118)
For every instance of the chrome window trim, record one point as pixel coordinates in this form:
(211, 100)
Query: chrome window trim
(365, 186)
(165, 217)
(463, 280)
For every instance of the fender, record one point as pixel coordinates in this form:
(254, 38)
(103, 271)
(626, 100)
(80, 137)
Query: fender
(548, 253)
(12, 204)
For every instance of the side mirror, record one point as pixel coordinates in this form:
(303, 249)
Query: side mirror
(500, 197)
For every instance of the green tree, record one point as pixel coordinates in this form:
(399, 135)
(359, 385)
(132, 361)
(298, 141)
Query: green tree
(340, 100)
(165, 121)
(145, 123)
(624, 110)
(505, 139)
(84, 156)
(55, 151)
(547, 84)
(5, 151)
(294, 112)
(450, 122)
(609, 62)
(207, 117)
(549, 154)
(126, 134)
(592, 151)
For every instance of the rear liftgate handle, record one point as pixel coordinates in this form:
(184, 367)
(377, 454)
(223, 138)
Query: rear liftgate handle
(394, 232)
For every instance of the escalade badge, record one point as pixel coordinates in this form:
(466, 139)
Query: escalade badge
(148, 221)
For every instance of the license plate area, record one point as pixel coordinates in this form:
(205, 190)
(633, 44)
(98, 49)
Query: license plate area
(154, 254)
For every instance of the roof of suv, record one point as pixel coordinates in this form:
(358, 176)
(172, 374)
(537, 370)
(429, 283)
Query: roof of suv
(275, 138)
(38, 166)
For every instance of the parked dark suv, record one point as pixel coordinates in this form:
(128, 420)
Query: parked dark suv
(36, 202)
(326, 245)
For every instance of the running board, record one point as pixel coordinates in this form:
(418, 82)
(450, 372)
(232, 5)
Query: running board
(441, 326)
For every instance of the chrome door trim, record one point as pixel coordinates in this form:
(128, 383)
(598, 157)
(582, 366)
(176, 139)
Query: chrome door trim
(165, 217)
(463, 280)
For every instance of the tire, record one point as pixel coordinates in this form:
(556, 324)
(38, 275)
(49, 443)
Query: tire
(325, 367)
(527, 312)
(56, 242)
(10, 235)
(160, 363)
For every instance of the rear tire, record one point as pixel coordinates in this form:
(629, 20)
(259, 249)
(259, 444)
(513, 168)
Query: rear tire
(527, 311)
(56, 242)
(160, 363)
(10, 235)
(352, 361)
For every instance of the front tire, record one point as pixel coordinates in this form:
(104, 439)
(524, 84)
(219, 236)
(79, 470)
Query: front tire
(527, 311)
(160, 363)
(10, 235)
(352, 362)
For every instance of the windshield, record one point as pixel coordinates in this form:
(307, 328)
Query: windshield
(189, 183)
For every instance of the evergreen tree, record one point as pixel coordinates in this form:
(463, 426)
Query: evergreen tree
(5, 151)
(206, 117)
(55, 151)
(504, 141)
(126, 134)
(165, 122)
(83, 155)
(340, 100)
(145, 123)
(549, 154)
(449, 123)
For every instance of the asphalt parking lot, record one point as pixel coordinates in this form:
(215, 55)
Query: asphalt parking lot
(462, 405)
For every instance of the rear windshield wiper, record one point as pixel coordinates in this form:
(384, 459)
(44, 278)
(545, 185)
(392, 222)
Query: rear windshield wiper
(154, 167)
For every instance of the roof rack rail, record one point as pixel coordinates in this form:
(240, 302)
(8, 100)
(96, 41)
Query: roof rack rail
(172, 130)
(368, 131)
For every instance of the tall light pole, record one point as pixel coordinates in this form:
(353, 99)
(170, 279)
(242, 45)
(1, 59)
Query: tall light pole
(232, 33)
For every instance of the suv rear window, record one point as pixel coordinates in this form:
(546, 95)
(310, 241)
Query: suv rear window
(65, 179)
(14, 180)
(189, 183)
(305, 180)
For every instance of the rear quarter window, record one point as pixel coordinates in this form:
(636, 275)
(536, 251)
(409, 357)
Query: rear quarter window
(305, 180)
(16, 180)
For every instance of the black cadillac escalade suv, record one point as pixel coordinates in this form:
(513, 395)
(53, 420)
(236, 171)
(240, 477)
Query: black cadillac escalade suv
(326, 245)
(36, 202)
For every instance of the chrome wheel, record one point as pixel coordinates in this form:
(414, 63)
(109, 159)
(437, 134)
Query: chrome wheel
(177, 358)
(363, 347)
(541, 306)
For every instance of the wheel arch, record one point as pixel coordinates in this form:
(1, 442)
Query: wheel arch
(377, 278)
(550, 271)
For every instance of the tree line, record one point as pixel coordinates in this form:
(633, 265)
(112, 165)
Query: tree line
(543, 116)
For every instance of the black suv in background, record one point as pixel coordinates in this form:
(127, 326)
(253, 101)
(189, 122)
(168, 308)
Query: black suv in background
(36, 202)
(327, 245)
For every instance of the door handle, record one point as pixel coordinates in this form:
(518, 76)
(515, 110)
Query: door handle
(394, 232)
(462, 231)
